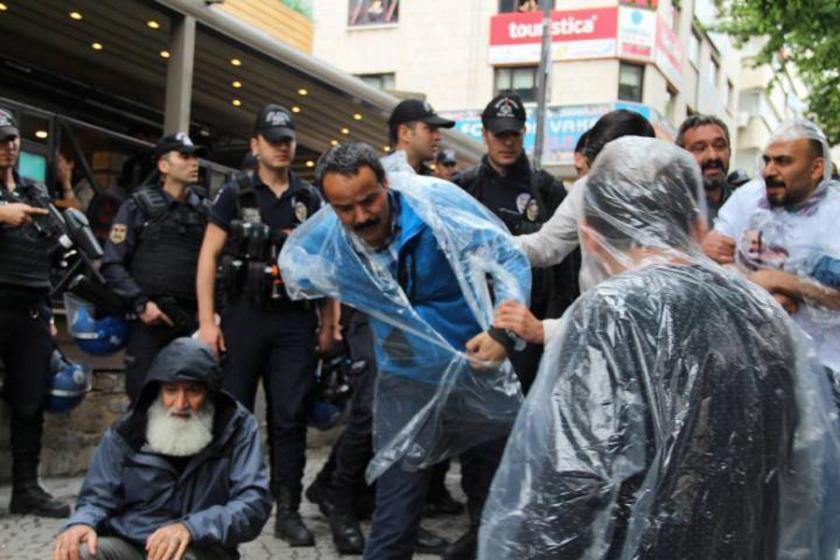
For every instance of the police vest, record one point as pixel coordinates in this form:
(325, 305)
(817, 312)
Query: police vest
(166, 255)
(248, 265)
(24, 250)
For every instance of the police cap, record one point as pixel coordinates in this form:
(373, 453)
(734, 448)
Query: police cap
(178, 142)
(275, 123)
(8, 124)
(446, 156)
(504, 113)
(411, 110)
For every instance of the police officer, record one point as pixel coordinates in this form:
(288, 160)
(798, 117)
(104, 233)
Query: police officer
(152, 252)
(446, 164)
(414, 133)
(25, 341)
(524, 199)
(263, 334)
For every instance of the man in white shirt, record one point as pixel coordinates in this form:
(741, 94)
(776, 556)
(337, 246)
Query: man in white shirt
(781, 231)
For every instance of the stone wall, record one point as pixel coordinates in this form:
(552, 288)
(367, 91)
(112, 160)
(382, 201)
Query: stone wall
(70, 439)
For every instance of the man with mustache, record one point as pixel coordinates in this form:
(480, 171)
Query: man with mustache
(706, 137)
(781, 229)
(180, 476)
(415, 254)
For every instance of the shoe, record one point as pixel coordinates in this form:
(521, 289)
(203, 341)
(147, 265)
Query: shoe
(32, 498)
(288, 524)
(429, 543)
(318, 494)
(442, 504)
(347, 535)
(289, 527)
(465, 548)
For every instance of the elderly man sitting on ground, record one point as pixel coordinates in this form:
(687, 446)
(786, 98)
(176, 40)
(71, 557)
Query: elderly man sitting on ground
(180, 476)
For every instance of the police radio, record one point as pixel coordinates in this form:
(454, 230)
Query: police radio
(248, 266)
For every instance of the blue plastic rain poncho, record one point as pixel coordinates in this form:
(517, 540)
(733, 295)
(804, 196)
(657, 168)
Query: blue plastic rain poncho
(452, 254)
(677, 412)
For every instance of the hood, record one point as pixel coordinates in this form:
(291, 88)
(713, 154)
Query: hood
(182, 360)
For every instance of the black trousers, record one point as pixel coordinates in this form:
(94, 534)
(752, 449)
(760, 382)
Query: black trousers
(276, 346)
(145, 342)
(25, 348)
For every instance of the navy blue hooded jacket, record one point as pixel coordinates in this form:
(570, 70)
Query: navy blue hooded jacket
(221, 495)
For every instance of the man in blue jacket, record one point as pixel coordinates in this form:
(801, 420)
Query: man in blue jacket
(180, 476)
(426, 263)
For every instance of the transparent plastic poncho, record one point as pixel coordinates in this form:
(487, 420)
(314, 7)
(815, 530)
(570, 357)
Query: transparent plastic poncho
(800, 239)
(677, 412)
(430, 403)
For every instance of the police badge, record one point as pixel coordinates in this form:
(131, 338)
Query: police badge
(301, 211)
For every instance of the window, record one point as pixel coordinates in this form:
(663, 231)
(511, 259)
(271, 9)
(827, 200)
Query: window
(372, 12)
(386, 81)
(715, 70)
(730, 94)
(630, 77)
(671, 103)
(694, 48)
(508, 6)
(521, 80)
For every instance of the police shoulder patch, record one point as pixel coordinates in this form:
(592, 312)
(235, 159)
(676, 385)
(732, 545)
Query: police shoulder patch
(118, 233)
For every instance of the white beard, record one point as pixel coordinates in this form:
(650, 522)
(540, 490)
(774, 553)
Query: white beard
(178, 437)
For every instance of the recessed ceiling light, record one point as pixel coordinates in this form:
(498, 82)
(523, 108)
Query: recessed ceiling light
(236, 103)
(334, 142)
(164, 54)
(236, 62)
(237, 84)
(386, 148)
(358, 116)
(303, 91)
(76, 15)
(3, 7)
(345, 130)
(295, 109)
(41, 134)
(96, 46)
(152, 24)
(310, 163)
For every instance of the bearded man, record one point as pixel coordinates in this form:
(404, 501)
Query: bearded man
(180, 476)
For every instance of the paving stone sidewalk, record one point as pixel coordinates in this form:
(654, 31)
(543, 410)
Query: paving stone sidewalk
(29, 538)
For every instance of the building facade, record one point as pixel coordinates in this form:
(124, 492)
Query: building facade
(647, 55)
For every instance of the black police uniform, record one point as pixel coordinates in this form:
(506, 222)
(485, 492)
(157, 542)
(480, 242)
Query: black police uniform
(269, 336)
(25, 341)
(524, 200)
(151, 255)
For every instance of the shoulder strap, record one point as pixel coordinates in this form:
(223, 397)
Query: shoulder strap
(151, 201)
(246, 196)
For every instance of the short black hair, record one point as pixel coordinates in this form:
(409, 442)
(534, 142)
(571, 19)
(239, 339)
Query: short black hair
(394, 129)
(615, 124)
(347, 159)
(581, 143)
(698, 120)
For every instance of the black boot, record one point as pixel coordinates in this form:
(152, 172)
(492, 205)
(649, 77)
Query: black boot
(288, 525)
(318, 493)
(347, 535)
(429, 543)
(29, 497)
